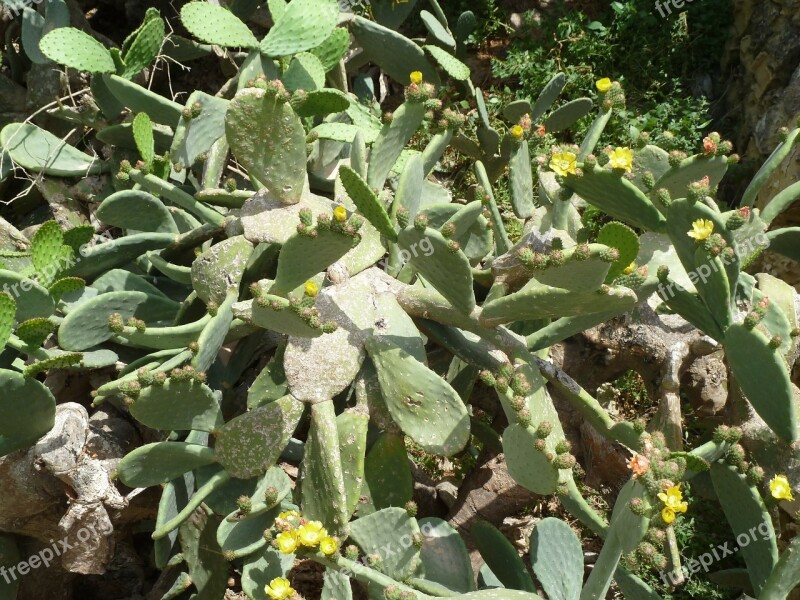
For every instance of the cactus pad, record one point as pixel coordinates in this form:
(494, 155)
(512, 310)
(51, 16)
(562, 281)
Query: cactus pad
(27, 411)
(305, 25)
(267, 137)
(217, 25)
(87, 325)
(250, 444)
(178, 405)
(136, 210)
(40, 151)
(77, 50)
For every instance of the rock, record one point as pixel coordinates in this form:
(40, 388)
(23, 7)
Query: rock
(705, 384)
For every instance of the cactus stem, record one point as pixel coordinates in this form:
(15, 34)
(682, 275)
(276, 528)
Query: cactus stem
(160, 187)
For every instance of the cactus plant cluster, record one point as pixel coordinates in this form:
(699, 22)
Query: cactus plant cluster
(331, 260)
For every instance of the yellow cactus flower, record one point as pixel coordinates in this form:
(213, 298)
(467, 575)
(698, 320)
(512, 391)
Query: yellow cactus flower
(780, 488)
(563, 163)
(517, 132)
(289, 514)
(279, 589)
(311, 289)
(340, 214)
(621, 158)
(311, 534)
(603, 85)
(701, 229)
(673, 500)
(629, 269)
(287, 542)
(328, 546)
(416, 77)
(667, 515)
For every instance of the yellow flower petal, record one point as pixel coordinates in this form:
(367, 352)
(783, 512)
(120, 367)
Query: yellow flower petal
(311, 289)
(517, 132)
(701, 229)
(780, 488)
(416, 77)
(668, 515)
(328, 546)
(563, 163)
(340, 214)
(621, 158)
(279, 589)
(287, 542)
(603, 85)
(311, 534)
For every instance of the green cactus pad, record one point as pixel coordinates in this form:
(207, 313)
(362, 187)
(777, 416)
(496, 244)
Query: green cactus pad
(322, 485)
(537, 301)
(548, 95)
(143, 45)
(391, 141)
(245, 536)
(781, 317)
(87, 325)
(785, 241)
(394, 53)
(333, 49)
(781, 152)
(59, 361)
(514, 111)
(409, 187)
(136, 210)
(388, 526)
(122, 136)
(444, 556)
(33, 332)
(217, 25)
(520, 181)
(161, 462)
(322, 102)
(218, 271)
(8, 311)
(762, 374)
(270, 384)
(367, 202)
(32, 299)
(250, 444)
(527, 465)
(143, 136)
(274, 479)
(650, 159)
(195, 137)
(746, 512)
(208, 569)
(472, 231)
(387, 475)
(690, 307)
(391, 14)
(557, 559)
(625, 240)
(501, 556)
(714, 289)
(40, 151)
(780, 202)
(452, 66)
(567, 115)
(27, 411)
(593, 134)
(305, 72)
(267, 137)
(139, 99)
(213, 335)
(618, 197)
(677, 179)
(77, 50)
(283, 321)
(178, 405)
(437, 31)
(447, 271)
(627, 528)
(344, 132)
(421, 402)
(681, 214)
(305, 25)
(302, 257)
(177, 273)
(351, 426)
(49, 254)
